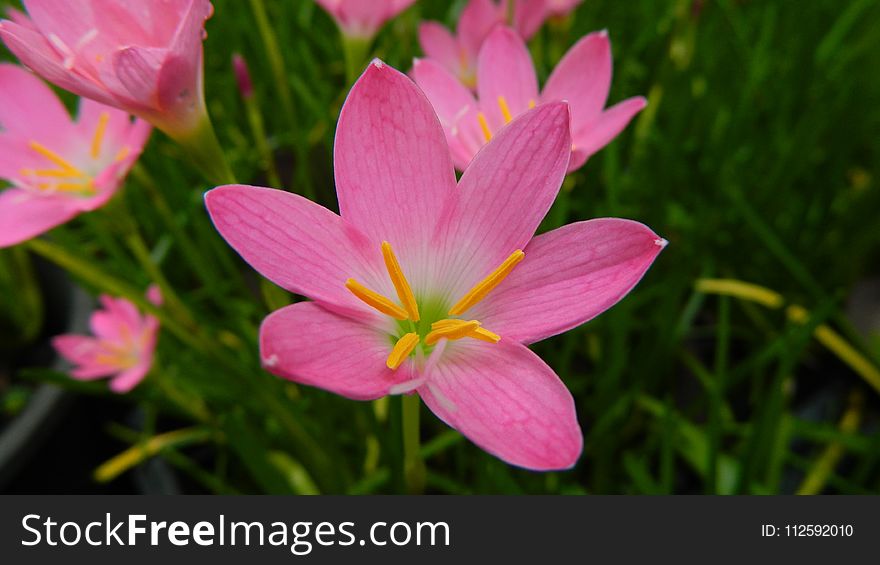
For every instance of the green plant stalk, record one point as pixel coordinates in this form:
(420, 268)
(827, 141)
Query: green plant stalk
(356, 50)
(88, 272)
(204, 269)
(203, 148)
(413, 464)
(258, 129)
(276, 60)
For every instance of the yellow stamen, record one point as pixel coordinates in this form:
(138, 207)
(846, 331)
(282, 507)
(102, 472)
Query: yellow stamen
(477, 333)
(401, 350)
(123, 153)
(404, 292)
(58, 173)
(54, 157)
(99, 134)
(485, 335)
(531, 104)
(486, 285)
(505, 110)
(452, 331)
(375, 300)
(484, 125)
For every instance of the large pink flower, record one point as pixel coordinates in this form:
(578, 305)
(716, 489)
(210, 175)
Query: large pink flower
(507, 86)
(427, 286)
(122, 347)
(363, 18)
(144, 57)
(57, 167)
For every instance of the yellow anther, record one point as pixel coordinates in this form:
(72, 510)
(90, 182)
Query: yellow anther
(404, 292)
(376, 300)
(531, 104)
(485, 286)
(485, 335)
(505, 110)
(401, 350)
(99, 134)
(477, 333)
(123, 153)
(484, 125)
(59, 173)
(451, 332)
(55, 158)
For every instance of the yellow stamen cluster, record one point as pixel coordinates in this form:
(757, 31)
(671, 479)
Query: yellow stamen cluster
(450, 328)
(76, 180)
(505, 113)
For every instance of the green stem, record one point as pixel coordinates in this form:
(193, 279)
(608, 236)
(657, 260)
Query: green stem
(255, 118)
(356, 50)
(85, 270)
(413, 464)
(276, 60)
(203, 148)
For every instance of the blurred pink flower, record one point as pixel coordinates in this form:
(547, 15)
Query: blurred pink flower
(144, 57)
(122, 347)
(458, 53)
(57, 167)
(472, 285)
(507, 86)
(559, 8)
(363, 18)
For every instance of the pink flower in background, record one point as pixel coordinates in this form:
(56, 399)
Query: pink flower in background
(122, 347)
(363, 18)
(435, 287)
(144, 57)
(561, 8)
(458, 53)
(58, 167)
(507, 86)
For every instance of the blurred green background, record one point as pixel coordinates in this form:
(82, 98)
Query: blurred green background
(757, 158)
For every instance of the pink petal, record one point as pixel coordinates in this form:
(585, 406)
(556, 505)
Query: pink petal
(29, 108)
(115, 133)
(583, 78)
(130, 378)
(137, 69)
(456, 108)
(35, 51)
(475, 22)
(78, 349)
(24, 215)
(595, 135)
(503, 195)
(508, 402)
(308, 344)
(528, 16)
(505, 69)
(569, 276)
(15, 156)
(297, 244)
(439, 45)
(70, 21)
(392, 164)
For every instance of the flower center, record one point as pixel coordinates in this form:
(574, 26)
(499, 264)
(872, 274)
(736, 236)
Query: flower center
(505, 113)
(442, 326)
(66, 177)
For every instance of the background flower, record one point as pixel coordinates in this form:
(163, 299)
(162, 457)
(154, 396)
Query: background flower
(58, 167)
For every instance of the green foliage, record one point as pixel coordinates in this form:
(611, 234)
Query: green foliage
(757, 158)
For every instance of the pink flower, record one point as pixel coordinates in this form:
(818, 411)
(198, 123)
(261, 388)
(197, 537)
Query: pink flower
(122, 347)
(561, 8)
(363, 18)
(507, 86)
(144, 57)
(458, 54)
(430, 286)
(58, 167)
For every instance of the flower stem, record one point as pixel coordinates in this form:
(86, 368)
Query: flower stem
(276, 60)
(356, 50)
(413, 464)
(203, 148)
(255, 118)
